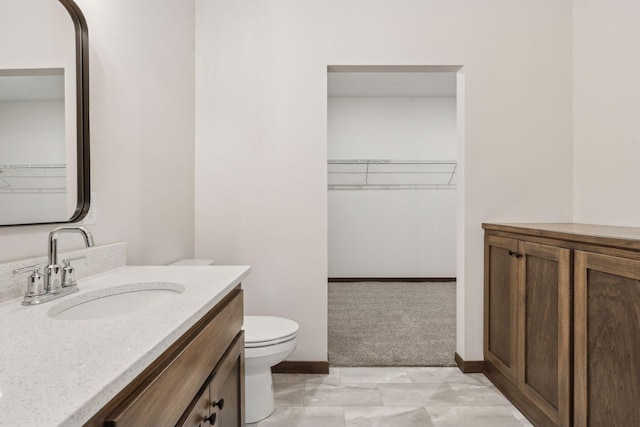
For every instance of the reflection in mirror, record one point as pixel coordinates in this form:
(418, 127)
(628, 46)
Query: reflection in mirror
(43, 112)
(32, 146)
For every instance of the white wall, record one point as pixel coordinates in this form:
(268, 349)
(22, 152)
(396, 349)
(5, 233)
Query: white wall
(261, 132)
(400, 128)
(32, 132)
(142, 131)
(392, 233)
(606, 114)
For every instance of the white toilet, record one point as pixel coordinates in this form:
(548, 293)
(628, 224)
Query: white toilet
(268, 341)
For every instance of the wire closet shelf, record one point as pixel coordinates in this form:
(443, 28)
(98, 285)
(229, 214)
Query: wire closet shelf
(33, 178)
(369, 174)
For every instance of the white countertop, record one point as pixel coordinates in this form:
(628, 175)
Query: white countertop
(61, 372)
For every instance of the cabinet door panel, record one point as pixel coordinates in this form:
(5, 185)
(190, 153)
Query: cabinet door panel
(607, 347)
(227, 386)
(544, 374)
(501, 304)
(200, 412)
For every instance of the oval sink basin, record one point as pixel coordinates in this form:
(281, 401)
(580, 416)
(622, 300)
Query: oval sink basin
(115, 301)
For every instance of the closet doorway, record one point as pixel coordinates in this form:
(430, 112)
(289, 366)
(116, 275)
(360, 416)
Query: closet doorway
(392, 174)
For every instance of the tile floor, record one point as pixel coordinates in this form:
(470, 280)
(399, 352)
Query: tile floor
(390, 397)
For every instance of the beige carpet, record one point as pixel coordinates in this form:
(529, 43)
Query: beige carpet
(392, 324)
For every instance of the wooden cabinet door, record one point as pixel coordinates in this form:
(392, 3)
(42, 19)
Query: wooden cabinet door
(544, 329)
(199, 414)
(500, 299)
(607, 341)
(227, 387)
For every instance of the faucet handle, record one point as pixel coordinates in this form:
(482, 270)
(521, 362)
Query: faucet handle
(67, 271)
(35, 282)
(35, 268)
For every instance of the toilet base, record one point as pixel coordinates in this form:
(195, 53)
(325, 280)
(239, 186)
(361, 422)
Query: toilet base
(259, 395)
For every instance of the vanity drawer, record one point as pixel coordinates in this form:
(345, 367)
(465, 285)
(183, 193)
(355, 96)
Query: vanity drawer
(163, 399)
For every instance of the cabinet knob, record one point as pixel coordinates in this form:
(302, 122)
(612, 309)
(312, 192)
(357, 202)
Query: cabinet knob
(212, 418)
(219, 404)
(512, 253)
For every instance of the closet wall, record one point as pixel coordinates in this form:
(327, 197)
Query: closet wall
(390, 232)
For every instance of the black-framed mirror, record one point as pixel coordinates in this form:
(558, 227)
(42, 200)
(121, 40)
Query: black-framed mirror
(44, 112)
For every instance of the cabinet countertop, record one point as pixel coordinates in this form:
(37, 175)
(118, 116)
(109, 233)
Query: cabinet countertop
(606, 235)
(61, 372)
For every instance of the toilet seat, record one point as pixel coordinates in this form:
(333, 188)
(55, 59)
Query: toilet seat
(248, 344)
(265, 331)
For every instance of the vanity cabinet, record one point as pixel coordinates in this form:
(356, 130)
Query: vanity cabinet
(562, 317)
(204, 366)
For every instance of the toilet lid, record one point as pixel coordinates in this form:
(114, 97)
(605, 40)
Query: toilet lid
(265, 329)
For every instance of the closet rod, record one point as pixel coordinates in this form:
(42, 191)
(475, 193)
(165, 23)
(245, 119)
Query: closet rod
(392, 162)
(382, 174)
(34, 166)
(32, 190)
(393, 187)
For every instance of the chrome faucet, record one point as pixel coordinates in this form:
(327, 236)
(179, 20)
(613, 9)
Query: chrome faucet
(53, 279)
(58, 281)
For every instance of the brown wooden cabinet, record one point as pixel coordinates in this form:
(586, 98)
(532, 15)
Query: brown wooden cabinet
(544, 329)
(203, 367)
(200, 413)
(528, 314)
(577, 311)
(221, 401)
(607, 340)
(226, 390)
(501, 303)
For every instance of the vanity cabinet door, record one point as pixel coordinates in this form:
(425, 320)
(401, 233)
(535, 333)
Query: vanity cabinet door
(500, 299)
(544, 329)
(227, 387)
(607, 343)
(199, 414)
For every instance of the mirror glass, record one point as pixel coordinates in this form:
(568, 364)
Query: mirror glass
(43, 112)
